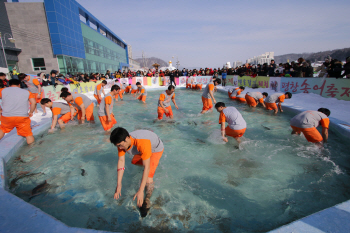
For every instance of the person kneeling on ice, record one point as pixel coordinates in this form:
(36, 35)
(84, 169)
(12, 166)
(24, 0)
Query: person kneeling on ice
(63, 110)
(105, 111)
(236, 124)
(208, 94)
(143, 93)
(253, 98)
(271, 101)
(164, 103)
(147, 149)
(84, 105)
(307, 122)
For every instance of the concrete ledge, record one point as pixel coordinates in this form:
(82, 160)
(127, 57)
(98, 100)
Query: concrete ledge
(334, 219)
(19, 216)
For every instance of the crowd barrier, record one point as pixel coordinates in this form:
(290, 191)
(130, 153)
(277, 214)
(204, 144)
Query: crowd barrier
(326, 87)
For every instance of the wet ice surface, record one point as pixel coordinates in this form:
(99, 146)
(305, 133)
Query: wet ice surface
(201, 184)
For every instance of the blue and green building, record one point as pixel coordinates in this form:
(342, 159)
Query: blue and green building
(79, 42)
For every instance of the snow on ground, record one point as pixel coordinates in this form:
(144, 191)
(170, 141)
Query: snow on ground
(340, 109)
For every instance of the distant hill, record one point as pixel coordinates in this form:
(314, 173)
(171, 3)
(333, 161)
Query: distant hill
(148, 62)
(339, 54)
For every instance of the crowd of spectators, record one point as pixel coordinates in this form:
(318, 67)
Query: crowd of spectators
(300, 68)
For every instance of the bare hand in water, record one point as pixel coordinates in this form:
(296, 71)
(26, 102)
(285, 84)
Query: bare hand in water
(117, 193)
(139, 196)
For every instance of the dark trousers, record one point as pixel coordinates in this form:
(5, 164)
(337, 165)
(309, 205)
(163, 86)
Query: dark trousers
(223, 83)
(172, 80)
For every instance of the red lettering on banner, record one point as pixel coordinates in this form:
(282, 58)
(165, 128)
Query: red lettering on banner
(58, 94)
(261, 84)
(51, 96)
(316, 87)
(346, 91)
(332, 90)
(266, 84)
(305, 86)
(294, 88)
(284, 85)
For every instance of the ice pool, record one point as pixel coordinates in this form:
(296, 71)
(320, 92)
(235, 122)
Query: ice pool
(202, 185)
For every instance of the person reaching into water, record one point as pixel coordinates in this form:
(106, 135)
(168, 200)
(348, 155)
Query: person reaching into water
(307, 122)
(143, 93)
(164, 103)
(236, 124)
(121, 91)
(128, 89)
(208, 94)
(134, 89)
(34, 88)
(241, 98)
(99, 90)
(253, 98)
(237, 91)
(105, 111)
(279, 98)
(147, 149)
(63, 110)
(84, 105)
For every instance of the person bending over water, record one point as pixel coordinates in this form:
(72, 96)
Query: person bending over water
(99, 90)
(105, 110)
(147, 149)
(34, 88)
(84, 105)
(236, 124)
(208, 94)
(253, 98)
(63, 110)
(307, 122)
(271, 101)
(164, 103)
(237, 91)
(143, 93)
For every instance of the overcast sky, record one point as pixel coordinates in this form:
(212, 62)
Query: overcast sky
(207, 33)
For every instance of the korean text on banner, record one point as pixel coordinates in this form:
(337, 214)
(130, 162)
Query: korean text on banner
(326, 87)
(230, 80)
(275, 83)
(260, 81)
(53, 93)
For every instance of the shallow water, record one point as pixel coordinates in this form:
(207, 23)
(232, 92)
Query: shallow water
(201, 184)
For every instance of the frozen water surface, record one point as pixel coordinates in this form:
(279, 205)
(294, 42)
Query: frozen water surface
(202, 184)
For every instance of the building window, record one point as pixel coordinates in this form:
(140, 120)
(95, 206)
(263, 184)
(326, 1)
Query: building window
(38, 64)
